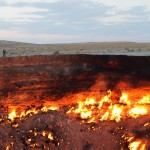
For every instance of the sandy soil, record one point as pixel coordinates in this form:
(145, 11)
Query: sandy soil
(118, 48)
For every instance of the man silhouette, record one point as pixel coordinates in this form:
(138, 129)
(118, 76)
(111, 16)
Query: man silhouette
(4, 53)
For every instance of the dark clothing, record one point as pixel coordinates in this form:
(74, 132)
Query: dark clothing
(4, 53)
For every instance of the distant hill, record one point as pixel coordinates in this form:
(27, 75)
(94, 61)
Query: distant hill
(26, 49)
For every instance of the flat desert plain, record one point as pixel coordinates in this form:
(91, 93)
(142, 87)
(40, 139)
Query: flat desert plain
(14, 49)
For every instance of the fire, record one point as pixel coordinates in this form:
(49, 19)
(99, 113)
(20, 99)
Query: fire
(137, 111)
(134, 145)
(50, 136)
(105, 117)
(15, 125)
(145, 100)
(105, 99)
(30, 112)
(12, 115)
(124, 99)
(44, 133)
(84, 109)
(116, 113)
(45, 109)
(53, 108)
(90, 101)
(137, 145)
(103, 108)
(7, 148)
(146, 124)
(93, 109)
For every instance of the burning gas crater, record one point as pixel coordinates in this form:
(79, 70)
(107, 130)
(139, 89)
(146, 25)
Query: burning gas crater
(93, 110)
(66, 103)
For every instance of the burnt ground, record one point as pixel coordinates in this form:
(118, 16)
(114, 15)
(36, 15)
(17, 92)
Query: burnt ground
(69, 133)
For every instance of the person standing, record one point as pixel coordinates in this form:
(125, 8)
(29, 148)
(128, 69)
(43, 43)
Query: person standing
(4, 53)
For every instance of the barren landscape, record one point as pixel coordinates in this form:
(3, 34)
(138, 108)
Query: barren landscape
(118, 48)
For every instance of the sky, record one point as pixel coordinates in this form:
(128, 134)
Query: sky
(73, 21)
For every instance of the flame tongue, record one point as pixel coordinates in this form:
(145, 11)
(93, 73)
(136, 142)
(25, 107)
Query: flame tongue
(145, 100)
(93, 109)
(137, 111)
(29, 112)
(137, 145)
(116, 113)
(107, 108)
(12, 115)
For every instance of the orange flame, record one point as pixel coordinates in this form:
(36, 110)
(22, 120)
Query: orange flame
(137, 145)
(92, 110)
(100, 108)
(124, 99)
(116, 113)
(137, 111)
(50, 136)
(12, 115)
(145, 100)
(29, 112)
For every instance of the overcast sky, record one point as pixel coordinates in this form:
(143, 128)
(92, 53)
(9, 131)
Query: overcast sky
(69, 21)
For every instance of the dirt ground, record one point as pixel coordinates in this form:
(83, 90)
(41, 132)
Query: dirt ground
(119, 48)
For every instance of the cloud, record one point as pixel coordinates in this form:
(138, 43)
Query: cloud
(119, 12)
(30, 1)
(123, 4)
(117, 19)
(20, 14)
(74, 20)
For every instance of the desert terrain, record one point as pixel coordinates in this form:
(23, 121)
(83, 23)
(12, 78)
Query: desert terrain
(14, 49)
